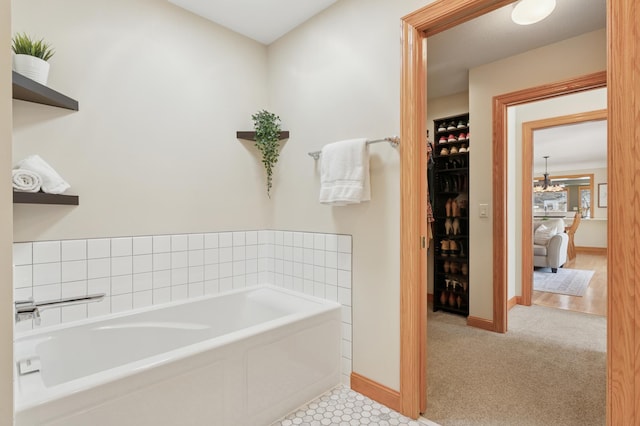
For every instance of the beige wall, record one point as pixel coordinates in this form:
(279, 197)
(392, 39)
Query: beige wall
(153, 148)
(6, 221)
(444, 106)
(570, 58)
(335, 78)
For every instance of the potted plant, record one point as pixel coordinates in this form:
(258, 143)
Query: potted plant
(267, 127)
(31, 57)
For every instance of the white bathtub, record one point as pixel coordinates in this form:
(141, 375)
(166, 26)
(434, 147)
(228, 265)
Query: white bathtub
(242, 358)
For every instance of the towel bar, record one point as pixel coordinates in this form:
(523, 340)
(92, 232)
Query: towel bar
(393, 140)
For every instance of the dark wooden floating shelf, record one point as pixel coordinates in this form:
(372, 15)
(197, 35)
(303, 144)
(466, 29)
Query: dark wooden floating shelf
(251, 136)
(43, 198)
(25, 89)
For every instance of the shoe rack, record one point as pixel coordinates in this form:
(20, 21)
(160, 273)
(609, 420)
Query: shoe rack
(450, 208)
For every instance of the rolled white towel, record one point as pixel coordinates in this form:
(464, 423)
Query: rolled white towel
(25, 180)
(52, 182)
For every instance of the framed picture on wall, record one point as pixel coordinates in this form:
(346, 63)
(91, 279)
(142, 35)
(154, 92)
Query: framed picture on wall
(602, 195)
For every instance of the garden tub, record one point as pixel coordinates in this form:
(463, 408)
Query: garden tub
(241, 358)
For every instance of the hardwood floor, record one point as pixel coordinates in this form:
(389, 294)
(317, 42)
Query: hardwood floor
(595, 299)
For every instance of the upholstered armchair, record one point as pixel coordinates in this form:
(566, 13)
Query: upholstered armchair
(549, 244)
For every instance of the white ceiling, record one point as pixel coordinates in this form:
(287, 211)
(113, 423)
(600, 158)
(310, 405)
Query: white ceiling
(263, 21)
(494, 36)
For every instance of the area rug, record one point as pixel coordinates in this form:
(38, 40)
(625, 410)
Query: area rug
(573, 282)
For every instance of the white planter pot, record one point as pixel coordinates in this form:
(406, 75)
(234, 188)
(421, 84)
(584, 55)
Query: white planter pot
(32, 67)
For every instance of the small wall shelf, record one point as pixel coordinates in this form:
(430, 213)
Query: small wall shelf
(43, 198)
(28, 90)
(251, 136)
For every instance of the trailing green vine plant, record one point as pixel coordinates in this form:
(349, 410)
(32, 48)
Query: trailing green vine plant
(267, 127)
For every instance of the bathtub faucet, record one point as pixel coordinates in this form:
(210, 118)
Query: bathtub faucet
(28, 309)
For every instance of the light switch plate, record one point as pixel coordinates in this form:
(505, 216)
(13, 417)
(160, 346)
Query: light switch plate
(484, 210)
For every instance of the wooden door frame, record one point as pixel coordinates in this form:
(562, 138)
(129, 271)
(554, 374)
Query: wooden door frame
(527, 191)
(623, 104)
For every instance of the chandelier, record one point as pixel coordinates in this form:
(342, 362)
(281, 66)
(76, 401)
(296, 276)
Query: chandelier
(546, 185)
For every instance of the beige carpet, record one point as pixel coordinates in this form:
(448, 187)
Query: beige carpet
(549, 369)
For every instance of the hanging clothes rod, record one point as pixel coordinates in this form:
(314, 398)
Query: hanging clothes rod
(393, 140)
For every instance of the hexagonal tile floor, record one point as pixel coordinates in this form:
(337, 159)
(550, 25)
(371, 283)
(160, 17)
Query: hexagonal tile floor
(344, 407)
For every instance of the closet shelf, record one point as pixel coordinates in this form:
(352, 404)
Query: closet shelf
(25, 89)
(251, 136)
(43, 198)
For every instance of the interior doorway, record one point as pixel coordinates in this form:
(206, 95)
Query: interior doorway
(623, 22)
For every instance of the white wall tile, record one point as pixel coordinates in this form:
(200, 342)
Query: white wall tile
(319, 241)
(344, 261)
(331, 276)
(298, 254)
(142, 299)
(196, 257)
(346, 331)
(331, 242)
(98, 248)
(278, 238)
(318, 290)
(121, 265)
(100, 308)
(298, 239)
(346, 349)
(179, 276)
(251, 238)
(143, 281)
(239, 253)
(22, 254)
(22, 293)
(211, 287)
(73, 313)
(319, 257)
(226, 254)
(211, 256)
(318, 274)
(161, 243)
(331, 293)
(211, 272)
(298, 270)
(121, 303)
(99, 286)
(344, 279)
(142, 245)
(287, 268)
(99, 268)
(278, 279)
(196, 274)
(142, 263)
(239, 282)
(262, 237)
(226, 284)
(179, 259)
(225, 239)
(49, 317)
(308, 272)
(344, 243)
(179, 243)
(252, 252)
(22, 276)
(74, 289)
(196, 241)
(298, 284)
(74, 270)
(344, 296)
(308, 287)
(226, 270)
(346, 314)
(161, 279)
(121, 246)
(287, 253)
(196, 289)
(47, 292)
(211, 240)
(308, 256)
(239, 268)
(161, 295)
(307, 240)
(46, 251)
(179, 292)
(331, 259)
(46, 273)
(121, 285)
(74, 250)
(252, 279)
(161, 261)
(239, 239)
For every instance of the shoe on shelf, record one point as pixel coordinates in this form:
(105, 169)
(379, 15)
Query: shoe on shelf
(454, 150)
(452, 126)
(468, 136)
(444, 247)
(443, 139)
(461, 125)
(452, 138)
(444, 151)
(462, 149)
(442, 127)
(462, 137)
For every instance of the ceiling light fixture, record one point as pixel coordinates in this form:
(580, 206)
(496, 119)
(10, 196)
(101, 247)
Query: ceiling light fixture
(527, 12)
(546, 182)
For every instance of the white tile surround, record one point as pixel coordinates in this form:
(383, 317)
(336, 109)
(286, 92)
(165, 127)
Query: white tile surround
(135, 272)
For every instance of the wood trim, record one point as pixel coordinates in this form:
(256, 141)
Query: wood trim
(592, 250)
(482, 323)
(515, 300)
(527, 177)
(623, 39)
(623, 225)
(430, 297)
(376, 391)
(413, 289)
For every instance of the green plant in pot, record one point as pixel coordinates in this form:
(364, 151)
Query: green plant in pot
(31, 57)
(267, 127)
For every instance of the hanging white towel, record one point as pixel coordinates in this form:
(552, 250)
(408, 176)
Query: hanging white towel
(52, 182)
(344, 173)
(25, 180)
